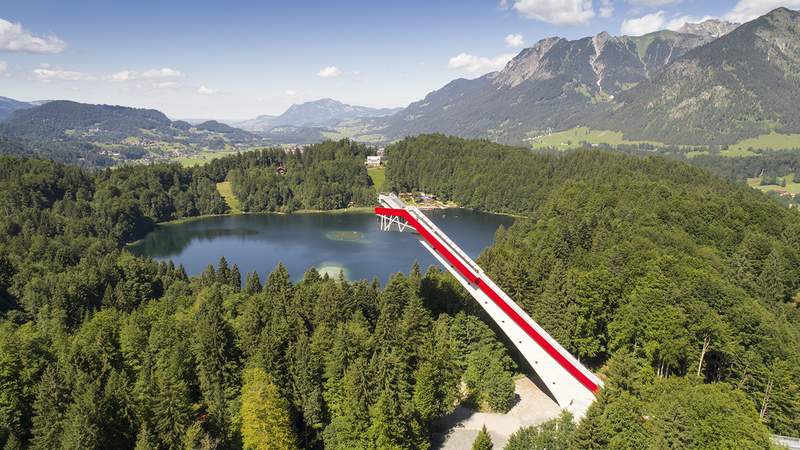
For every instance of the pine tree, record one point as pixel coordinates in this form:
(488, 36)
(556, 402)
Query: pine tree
(145, 439)
(306, 383)
(49, 409)
(235, 278)
(181, 275)
(209, 276)
(252, 283)
(223, 272)
(483, 441)
(265, 415)
(278, 282)
(212, 345)
(81, 427)
(172, 409)
(427, 396)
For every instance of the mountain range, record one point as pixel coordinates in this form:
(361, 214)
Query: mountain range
(325, 112)
(555, 84)
(741, 85)
(9, 105)
(716, 85)
(102, 135)
(709, 83)
(107, 124)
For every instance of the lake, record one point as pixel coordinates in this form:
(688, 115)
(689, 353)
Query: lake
(332, 242)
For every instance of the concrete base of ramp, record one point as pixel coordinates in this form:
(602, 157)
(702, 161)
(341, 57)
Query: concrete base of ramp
(458, 430)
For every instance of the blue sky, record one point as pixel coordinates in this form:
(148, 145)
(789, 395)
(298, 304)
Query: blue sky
(239, 59)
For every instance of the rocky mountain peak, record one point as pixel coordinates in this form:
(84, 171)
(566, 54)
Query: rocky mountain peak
(711, 28)
(526, 64)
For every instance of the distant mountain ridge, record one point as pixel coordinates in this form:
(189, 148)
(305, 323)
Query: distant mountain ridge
(63, 119)
(555, 83)
(81, 133)
(9, 105)
(741, 85)
(323, 112)
(713, 82)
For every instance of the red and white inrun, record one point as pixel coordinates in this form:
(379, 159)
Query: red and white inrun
(572, 385)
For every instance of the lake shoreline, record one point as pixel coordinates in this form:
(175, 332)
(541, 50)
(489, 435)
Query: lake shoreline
(348, 240)
(354, 209)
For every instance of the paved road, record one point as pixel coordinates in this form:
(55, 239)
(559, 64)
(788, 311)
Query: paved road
(459, 429)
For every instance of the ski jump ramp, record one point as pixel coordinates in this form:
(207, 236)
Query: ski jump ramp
(572, 384)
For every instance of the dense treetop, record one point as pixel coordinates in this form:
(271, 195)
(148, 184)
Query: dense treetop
(678, 287)
(693, 274)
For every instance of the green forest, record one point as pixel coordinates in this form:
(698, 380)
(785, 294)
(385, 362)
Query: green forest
(685, 277)
(679, 288)
(330, 175)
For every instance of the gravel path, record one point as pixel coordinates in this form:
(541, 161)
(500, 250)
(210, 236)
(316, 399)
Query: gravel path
(459, 429)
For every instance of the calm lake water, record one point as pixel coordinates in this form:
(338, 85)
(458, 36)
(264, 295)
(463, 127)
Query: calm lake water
(331, 242)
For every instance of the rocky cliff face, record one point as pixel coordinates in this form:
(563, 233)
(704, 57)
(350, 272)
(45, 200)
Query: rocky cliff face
(743, 84)
(553, 83)
(711, 28)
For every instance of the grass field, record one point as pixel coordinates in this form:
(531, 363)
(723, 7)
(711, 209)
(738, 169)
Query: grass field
(378, 175)
(736, 152)
(791, 186)
(226, 191)
(772, 141)
(203, 157)
(573, 137)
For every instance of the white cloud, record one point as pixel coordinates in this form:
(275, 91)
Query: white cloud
(203, 90)
(155, 78)
(643, 25)
(47, 74)
(658, 21)
(676, 23)
(606, 8)
(3, 66)
(290, 93)
(503, 4)
(653, 2)
(123, 75)
(14, 38)
(329, 72)
(164, 72)
(515, 40)
(747, 10)
(472, 63)
(559, 12)
(165, 85)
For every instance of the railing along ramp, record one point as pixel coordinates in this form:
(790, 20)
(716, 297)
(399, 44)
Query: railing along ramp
(572, 384)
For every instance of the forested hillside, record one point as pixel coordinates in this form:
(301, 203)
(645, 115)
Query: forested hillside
(678, 287)
(330, 175)
(104, 135)
(685, 277)
(100, 349)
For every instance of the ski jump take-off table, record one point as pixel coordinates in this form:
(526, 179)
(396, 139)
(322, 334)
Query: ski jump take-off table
(572, 385)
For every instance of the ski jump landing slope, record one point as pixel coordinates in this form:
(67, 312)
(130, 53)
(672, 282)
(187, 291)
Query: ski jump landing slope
(572, 385)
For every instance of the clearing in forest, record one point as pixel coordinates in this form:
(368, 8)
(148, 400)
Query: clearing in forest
(226, 191)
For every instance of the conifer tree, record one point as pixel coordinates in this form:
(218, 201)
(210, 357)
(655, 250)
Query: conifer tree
(265, 415)
(223, 272)
(252, 283)
(483, 441)
(212, 345)
(235, 278)
(49, 409)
